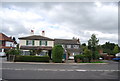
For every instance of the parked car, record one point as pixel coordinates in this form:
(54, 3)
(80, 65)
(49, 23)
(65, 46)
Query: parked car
(117, 55)
(71, 57)
(116, 59)
(2, 54)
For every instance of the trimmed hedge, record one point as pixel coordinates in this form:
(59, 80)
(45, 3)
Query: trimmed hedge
(57, 54)
(21, 58)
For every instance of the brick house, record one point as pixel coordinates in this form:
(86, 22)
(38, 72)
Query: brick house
(6, 43)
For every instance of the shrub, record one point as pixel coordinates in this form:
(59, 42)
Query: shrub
(88, 54)
(21, 58)
(81, 57)
(57, 54)
(13, 52)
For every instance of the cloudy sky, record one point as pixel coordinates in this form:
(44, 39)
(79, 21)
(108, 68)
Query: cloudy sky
(61, 19)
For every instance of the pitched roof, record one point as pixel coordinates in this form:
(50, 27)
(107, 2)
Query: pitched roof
(35, 37)
(5, 38)
(66, 41)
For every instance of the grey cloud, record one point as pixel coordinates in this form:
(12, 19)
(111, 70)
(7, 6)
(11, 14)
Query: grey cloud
(15, 25)
(79, 16)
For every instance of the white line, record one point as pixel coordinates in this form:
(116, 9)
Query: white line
(70, 70)
(62, 70)
(18, 69)
(81, 70)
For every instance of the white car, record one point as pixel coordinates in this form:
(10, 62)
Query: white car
(117, 55)
(71, 57)
(2, 54)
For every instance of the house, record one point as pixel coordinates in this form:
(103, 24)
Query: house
(6, 43)
(39, 44)
(71, 46)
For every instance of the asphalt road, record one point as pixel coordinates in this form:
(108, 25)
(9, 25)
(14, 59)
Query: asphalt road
(11, 70)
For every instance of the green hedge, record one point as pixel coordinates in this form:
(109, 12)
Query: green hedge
(81, 56)
(32, 58)
(57, 54)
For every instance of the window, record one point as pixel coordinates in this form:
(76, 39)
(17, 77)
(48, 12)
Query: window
(43, 43)
(76, 46)
(30, 42)
(68, 46)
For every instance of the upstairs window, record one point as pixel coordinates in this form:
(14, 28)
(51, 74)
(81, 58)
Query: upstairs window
(43, 43)
(76, 46)
(30, 42)
(68, 46)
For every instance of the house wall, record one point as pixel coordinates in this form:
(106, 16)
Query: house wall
(51, 43)
(37, 43)
(22, 43)
(10, 44)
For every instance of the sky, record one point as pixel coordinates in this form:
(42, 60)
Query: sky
(63, 20)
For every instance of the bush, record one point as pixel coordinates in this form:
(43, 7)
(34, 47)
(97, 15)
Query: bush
(57, 54)
(88, 55)
(81, 57)
(21, 58)
(13, 52)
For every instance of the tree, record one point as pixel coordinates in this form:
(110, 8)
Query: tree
(88, 54)
(116, 49)
(93, 42)
(14, 38)
(92, 45)
(108, 47)
(12, 53)
(83, 46)
(57, 54)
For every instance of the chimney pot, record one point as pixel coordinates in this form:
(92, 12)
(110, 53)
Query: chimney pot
(43, 33)
(32, 32)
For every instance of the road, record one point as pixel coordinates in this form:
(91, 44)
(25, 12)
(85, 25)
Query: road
(19, 70)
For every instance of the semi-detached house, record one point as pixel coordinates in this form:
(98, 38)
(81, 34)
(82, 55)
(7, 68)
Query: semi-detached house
(42, 45)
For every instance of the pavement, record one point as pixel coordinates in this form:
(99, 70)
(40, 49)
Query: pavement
(33, 70)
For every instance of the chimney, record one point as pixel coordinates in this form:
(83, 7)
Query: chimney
(78, 40)
(10, 37)
(32, 32)
(43, 33)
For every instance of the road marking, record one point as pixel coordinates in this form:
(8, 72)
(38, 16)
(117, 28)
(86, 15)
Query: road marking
(81, 70)
(78, 70)
(70, 70)
(62, 70)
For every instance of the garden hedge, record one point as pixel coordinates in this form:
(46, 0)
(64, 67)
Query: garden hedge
(21, 58)
(57, 54)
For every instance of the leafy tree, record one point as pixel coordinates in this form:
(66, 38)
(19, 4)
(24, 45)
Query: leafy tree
(13, 52)
(88, 54)
(108, 47)
(83, 46)
(57, 54)
(14, 39)
(92, 45)
(116, 49)
(93, 42)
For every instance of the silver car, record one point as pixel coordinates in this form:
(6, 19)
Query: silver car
(2, 54)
